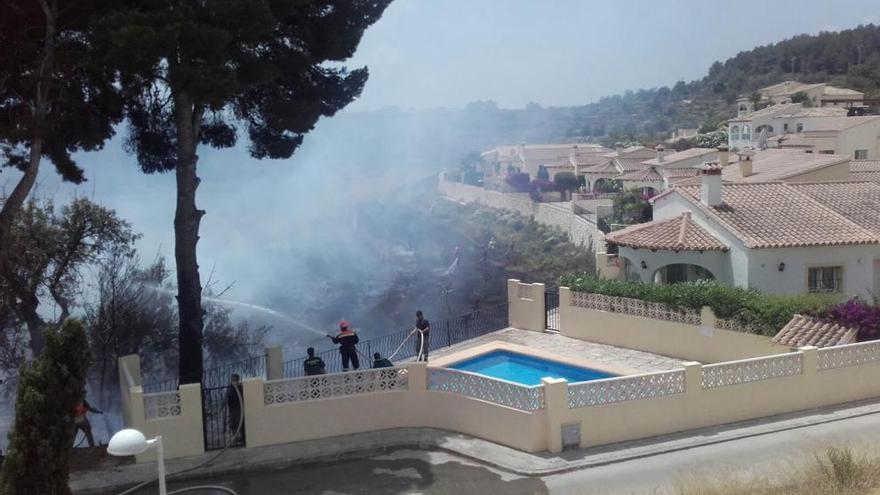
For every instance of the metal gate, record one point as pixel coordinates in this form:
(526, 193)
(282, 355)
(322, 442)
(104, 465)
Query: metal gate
(220, 413)
(551, 310)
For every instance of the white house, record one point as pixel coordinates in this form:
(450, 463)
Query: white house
(528, 157)
(856, 137)
(744, 130)
(777, 237)
(819, 94)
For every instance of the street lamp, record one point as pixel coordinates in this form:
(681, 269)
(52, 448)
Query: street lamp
(132, 442)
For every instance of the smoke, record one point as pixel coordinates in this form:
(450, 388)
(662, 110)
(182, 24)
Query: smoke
(342, 230)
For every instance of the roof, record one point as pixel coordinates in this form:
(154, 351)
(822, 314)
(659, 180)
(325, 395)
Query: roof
(780, 164)
(791, 110)
(681, 156)
(679, 233)
(864, 170)
(805, 330)
(677, 174)
(864, 165)
(857, 201)
(606, 167)
(778, 215)
(648, 174)
(842, 123)
(775, 165)
(630, 164)
(835, 91)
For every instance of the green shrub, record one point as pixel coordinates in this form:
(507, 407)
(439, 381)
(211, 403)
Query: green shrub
(42, 437)
(750, 309)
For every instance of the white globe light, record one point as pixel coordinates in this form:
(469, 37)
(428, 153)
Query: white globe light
(127, 442)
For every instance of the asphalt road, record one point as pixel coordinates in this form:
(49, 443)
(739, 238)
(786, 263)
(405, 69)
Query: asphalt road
(425, 472)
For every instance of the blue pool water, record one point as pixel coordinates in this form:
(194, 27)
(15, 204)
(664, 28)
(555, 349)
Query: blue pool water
(527, 370)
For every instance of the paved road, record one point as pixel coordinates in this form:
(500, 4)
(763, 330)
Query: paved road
(423, 472)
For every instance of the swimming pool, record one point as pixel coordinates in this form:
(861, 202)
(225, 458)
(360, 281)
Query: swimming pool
(524, 369)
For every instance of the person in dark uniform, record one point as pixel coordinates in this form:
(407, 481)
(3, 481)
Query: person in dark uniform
(81, 420)
(313, 365)
(423, 326)
(380, 362)
(347, 340)
(233, 405)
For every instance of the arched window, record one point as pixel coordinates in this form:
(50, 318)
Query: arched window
(746, 133)
(761, 128)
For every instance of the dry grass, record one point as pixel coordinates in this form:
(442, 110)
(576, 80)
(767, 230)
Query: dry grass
(833, 471)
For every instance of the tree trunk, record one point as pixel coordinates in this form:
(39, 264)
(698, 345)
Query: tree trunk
(186, 235)
(35, 325)
(40, 110)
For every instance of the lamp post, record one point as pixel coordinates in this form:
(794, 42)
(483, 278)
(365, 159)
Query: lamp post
(132, 442)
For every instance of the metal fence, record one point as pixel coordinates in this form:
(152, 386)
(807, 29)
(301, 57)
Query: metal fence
(217, 376)
(444, 333)
(551, 310)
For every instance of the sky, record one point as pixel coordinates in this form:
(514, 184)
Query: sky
(446, 53)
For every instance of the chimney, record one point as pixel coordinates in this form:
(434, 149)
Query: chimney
(723, 155)
(745, 163)
(660, 152)
(710, 190)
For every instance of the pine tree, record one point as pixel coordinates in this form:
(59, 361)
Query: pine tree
(192, 71)
(55, 96)
(41, 440)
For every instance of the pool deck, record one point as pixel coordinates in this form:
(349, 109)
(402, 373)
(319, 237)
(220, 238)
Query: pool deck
(549, 345)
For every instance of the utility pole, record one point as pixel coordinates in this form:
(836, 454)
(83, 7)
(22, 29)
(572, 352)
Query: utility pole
(793, 59)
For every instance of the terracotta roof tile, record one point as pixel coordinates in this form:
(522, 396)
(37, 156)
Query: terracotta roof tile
(804, 330)
(649, 174)
(630, 164)
(857, 201)
(672, 158)
(777, 215)
(679, 233)
(864, 166)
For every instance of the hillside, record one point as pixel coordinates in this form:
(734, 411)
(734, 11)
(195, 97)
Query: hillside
(849, 58)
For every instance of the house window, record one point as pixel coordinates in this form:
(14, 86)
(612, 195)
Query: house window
(800, 127)
(746, 133)
(825, 279)
(861, 154)
(784, 127)
(734, 133)
(826, 152)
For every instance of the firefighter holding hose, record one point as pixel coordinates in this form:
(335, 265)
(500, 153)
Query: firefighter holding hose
(347, 341)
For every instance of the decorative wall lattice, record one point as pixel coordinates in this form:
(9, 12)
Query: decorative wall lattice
(848, 355)
(524, 291)
(480, 387)
(596, 393)
(162, 405)
(335, 385)
(634, 307)
(752, 370)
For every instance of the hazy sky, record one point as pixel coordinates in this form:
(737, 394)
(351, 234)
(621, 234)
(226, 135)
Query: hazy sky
(431, 53)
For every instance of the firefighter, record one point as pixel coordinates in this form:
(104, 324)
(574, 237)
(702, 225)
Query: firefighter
(347, 340)
(313, 365)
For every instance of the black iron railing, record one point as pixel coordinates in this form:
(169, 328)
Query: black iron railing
(444, 333)
(551, 310)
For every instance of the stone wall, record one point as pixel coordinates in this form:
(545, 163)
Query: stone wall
(580, 230)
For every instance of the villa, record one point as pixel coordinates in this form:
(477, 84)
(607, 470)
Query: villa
(556, 157)
(773, 236)
(744, 130)
(819, 94)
